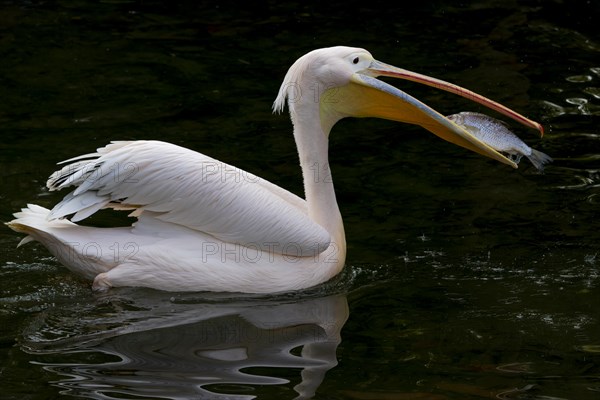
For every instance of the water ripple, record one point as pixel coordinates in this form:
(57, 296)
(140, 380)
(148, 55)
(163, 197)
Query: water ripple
(153, 347)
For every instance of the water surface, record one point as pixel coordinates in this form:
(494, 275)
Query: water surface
(465, 279)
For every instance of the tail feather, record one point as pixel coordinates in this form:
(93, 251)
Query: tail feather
(32, 220)
(33, 217)
(73, 245)
(25, 240)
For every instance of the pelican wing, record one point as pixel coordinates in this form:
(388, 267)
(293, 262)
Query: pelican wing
(183, 187)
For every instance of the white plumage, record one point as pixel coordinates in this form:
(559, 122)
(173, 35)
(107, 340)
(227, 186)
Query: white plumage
(206, 225)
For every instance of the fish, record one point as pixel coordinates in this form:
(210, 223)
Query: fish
(497, 134)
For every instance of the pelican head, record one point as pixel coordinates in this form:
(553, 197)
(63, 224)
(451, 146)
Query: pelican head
(338, 82)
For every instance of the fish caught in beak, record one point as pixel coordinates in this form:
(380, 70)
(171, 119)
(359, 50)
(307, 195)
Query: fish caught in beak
(367, 96)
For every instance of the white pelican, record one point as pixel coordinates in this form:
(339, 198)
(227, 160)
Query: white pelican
(203, 225)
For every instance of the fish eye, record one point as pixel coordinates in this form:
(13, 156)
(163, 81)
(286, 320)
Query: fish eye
(356, 60)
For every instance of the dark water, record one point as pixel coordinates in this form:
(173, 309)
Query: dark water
(465, 279)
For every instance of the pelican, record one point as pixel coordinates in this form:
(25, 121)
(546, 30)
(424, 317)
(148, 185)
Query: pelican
(204, 225)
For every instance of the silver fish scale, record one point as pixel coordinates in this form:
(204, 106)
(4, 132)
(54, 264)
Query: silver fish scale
(492, 132)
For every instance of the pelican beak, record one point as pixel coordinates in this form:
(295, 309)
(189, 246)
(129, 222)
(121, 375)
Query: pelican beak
(366, 96)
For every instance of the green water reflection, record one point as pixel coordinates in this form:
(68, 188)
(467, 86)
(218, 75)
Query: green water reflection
(464, 279)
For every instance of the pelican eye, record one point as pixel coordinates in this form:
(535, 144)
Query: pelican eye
(356, 60)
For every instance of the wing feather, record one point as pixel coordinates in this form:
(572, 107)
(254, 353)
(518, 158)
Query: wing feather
(190, 189)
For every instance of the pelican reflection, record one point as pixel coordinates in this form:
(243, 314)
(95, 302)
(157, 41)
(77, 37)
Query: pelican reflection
(185, 349)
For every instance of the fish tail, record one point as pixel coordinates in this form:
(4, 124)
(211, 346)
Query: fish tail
(539, 159)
